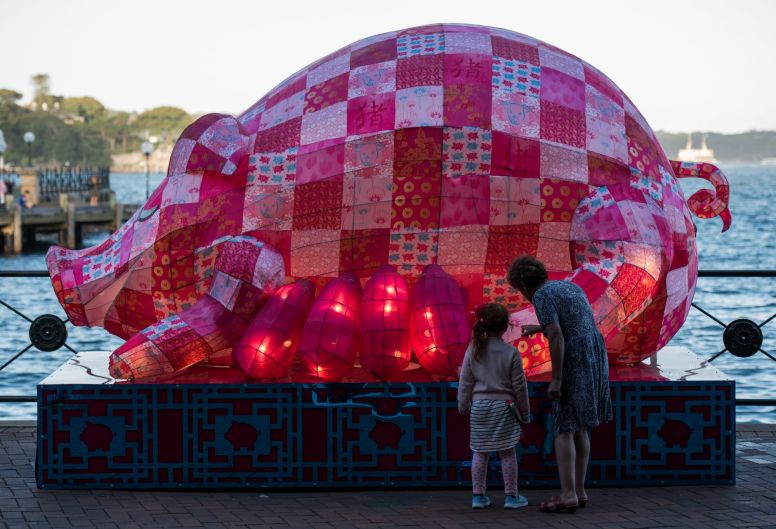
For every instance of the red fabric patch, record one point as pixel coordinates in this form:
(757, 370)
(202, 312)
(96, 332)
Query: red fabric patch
(621, 193)
(633, 285)
(562, 124)
(321, 164)
(419, 143)
(373, 53)
(224, 214)
(509, 49)
(280, 137)
(560, 199)
(465, 201)
(420, 70)
(134, 308)
(642, 152)
(513, 156)
(505, 243)
(238, 260)
(318, 205)
(562, 89)
(465, 68)
(416, 190)
(286, 91)
(371, 113)
(681, 251)
(195, 130)
(203, 159)
(598, 81)
(327, 93)
(592, 284)
(467, 105)
(605, 171)
(218, 183)
(279, 240)
(363, 251)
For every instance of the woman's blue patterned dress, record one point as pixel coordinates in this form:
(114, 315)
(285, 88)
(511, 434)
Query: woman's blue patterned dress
(585, 401)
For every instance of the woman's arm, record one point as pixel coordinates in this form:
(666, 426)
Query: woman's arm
(528, 330)
(557, 351)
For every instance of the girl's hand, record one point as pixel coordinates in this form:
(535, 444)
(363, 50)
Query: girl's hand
(528, 330)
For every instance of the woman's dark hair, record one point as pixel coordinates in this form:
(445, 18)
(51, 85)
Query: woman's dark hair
(526, 272)
(491, 319)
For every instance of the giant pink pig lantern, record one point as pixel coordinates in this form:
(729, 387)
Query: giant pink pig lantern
(460, 146)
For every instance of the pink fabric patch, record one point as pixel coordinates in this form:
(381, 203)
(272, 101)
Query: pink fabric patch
(372, 113)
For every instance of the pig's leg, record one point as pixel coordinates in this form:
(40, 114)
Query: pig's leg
(244, 272)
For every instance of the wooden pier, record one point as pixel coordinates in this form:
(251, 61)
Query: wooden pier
(58, 207)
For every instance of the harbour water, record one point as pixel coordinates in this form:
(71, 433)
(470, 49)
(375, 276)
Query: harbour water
(749, 244)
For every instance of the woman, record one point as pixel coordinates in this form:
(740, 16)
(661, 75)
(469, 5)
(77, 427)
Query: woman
(580, 373)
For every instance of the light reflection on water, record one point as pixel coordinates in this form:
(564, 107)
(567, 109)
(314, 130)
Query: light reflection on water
(750, 243)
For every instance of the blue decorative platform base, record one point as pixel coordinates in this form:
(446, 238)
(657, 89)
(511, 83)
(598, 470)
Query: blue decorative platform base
(674, 423)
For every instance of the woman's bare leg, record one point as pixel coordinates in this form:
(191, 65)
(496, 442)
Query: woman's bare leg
(565, 454)
(582, 448)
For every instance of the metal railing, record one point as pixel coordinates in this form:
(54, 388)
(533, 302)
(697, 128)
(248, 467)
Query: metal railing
(742, 337)
(83, 180)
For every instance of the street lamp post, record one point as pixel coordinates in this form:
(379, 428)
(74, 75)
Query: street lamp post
(29, 137)
(147, 148)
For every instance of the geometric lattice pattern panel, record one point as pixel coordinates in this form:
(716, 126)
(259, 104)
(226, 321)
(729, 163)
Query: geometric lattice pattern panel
(357, 435)
(662, 433)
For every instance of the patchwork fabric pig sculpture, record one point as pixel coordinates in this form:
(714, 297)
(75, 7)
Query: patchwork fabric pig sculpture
(361, 208)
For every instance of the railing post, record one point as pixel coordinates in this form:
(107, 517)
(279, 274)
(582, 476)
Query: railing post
(16, 211)
(119, 211)
(71, 226)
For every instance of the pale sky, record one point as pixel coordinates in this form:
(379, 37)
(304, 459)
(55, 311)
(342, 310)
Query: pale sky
(687, 65)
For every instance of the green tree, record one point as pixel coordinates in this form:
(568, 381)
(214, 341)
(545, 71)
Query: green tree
(41, 84)
(115, 128)
(55, 141)
(166, 122)
(86, 107)
(9, 97)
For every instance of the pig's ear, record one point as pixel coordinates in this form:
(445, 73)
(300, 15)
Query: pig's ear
(214, 142)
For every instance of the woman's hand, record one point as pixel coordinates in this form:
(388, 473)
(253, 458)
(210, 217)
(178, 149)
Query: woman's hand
(553, 391)
(528, 330)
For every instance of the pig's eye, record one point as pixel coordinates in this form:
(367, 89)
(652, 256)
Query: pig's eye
(146, 214)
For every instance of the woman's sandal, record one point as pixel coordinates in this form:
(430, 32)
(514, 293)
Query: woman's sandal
(582, 503)
(555, 505)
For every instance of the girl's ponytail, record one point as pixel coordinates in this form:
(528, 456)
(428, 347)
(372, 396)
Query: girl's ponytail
(491, 319)
(479, 339)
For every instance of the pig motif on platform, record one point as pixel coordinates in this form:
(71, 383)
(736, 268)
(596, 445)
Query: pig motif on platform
(450, 145)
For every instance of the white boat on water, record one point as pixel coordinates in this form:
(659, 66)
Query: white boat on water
(690, 154)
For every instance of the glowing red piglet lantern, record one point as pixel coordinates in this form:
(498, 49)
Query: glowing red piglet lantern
(385, 322)
(330, 337)
(440, 327)
(267, 348)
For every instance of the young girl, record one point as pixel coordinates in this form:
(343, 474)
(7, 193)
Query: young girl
(492, 379)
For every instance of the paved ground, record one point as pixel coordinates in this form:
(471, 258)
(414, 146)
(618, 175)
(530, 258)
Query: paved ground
(750, 503)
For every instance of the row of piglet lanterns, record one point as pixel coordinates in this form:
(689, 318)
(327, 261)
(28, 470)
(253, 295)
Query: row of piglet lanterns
(381, 325)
